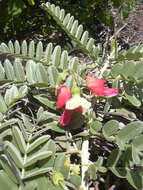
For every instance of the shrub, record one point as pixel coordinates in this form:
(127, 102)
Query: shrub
(61, 129)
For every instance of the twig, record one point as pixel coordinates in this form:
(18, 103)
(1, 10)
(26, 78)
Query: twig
(118, 31)
(67, 139)
(105, 46)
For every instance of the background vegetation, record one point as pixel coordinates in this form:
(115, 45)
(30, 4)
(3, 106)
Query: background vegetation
(101, 148)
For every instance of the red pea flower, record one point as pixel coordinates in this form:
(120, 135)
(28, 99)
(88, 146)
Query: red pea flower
(63, 95)
(65, 117)
(96, 86)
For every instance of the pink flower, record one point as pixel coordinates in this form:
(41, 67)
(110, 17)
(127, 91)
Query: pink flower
(63, 95)
(96, 86)
(65, 117)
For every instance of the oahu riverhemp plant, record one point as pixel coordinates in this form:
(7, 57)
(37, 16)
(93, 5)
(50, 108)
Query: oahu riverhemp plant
(61, 126)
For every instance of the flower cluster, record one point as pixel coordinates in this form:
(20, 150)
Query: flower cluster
(70, 101)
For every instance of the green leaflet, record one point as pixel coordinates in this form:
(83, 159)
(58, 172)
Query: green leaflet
(37, 143)
(110, 128)
(41, 74)
(17, 47)
(56, 56)
(9, 70)
(30, 71)
(37, 157)
(39, 51)
(19, 139)
(6, 182)
(2, 73)
(15, 154)
(130, 131)
(48, 52)
(45, 101)
(36, 173)
(5, 165)
(53, 75)
(31, 51)
(3, 107)
(24, 48)
(11, 46)
(64, 60)
(19, 70)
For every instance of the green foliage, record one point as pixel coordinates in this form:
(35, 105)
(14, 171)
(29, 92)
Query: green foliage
(37, 153)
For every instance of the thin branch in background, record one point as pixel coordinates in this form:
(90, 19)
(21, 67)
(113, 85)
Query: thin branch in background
(118, 31)
(105, 46)
(14, 169)
(67, 139)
